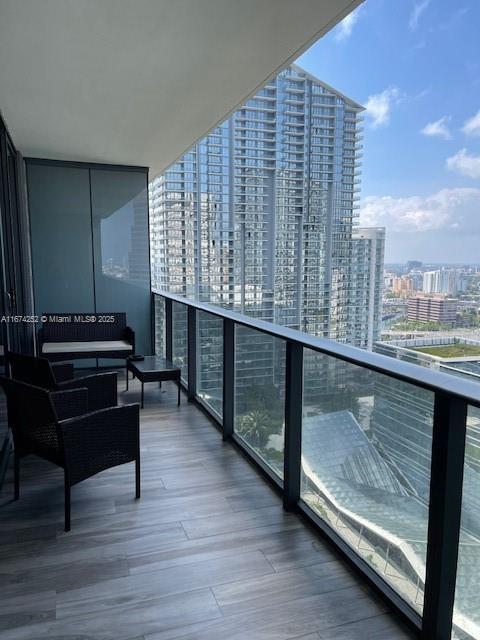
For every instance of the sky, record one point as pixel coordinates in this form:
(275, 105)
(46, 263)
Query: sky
(415, 66)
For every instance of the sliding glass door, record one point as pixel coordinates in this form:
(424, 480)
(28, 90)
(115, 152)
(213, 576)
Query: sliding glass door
(90, 250)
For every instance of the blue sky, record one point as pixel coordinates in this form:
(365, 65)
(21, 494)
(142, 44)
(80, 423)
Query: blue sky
(416, 65)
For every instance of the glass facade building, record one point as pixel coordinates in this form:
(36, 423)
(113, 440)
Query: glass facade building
(259, 215)
(367, 276)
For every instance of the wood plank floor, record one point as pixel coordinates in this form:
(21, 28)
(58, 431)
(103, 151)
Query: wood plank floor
(206, 554)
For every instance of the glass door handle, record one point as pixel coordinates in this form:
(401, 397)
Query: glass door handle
(10, 300)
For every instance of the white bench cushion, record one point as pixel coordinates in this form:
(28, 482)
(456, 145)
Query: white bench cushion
(84, 347)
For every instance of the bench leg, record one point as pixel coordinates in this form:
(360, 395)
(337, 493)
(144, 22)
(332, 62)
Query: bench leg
(142, 396)
(178, 392)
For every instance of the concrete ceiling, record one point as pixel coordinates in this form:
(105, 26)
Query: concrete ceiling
(139, 81)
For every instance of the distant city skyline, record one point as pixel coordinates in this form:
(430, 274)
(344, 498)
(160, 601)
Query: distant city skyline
(415, 65)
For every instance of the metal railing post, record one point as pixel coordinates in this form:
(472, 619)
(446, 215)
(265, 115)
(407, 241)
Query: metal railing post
(445, 510)
(228, 377)
(293, 424)
(168, 329)
(192, 351)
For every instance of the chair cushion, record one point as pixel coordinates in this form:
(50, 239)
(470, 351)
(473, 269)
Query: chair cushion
(85, 347)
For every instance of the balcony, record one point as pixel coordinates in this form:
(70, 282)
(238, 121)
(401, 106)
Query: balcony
(207, 553)
(370, 450)
(303, 489)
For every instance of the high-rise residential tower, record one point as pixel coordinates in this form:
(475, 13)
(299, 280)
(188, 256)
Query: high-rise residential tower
(445, 281)
(259, 215)
(367, 278)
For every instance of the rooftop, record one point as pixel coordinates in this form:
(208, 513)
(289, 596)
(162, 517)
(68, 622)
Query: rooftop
(451, 351)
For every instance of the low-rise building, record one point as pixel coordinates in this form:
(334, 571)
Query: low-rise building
(403, 286)
(432, 309)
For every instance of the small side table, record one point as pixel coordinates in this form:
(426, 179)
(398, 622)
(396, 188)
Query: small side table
(154, 369)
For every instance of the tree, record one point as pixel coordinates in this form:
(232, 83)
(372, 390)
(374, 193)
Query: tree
(256, 427)
(263, 416)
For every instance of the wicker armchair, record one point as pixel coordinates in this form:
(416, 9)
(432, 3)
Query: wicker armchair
(58, 427)
(39, 372)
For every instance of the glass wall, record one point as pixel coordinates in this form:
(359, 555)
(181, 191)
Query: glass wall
(366, 452)
(90, 246)
(62, 256)
(260, 394)
(210, 360)
(120, 245)
(180, 338)
(466, 615)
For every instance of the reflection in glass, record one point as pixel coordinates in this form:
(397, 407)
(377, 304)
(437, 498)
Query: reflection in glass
(210, 360)
(366, 450)
(260, 394)
(466, 614)
(121, 253)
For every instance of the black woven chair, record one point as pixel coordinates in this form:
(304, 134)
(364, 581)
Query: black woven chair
(39, 372)
(57, 427)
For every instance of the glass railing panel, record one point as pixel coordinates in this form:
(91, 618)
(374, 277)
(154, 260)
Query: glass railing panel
(180, 338)
(366, 453)
(466, 614)
(260, 394)
(159, 310)
(210, 360)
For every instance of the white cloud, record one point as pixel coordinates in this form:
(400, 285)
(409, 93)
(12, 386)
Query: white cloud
(472, 125)
(420, 95)
(379, 105)
(438, 129)
(418, 9)
(345, 28)
(468, 164)
(452, 209)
